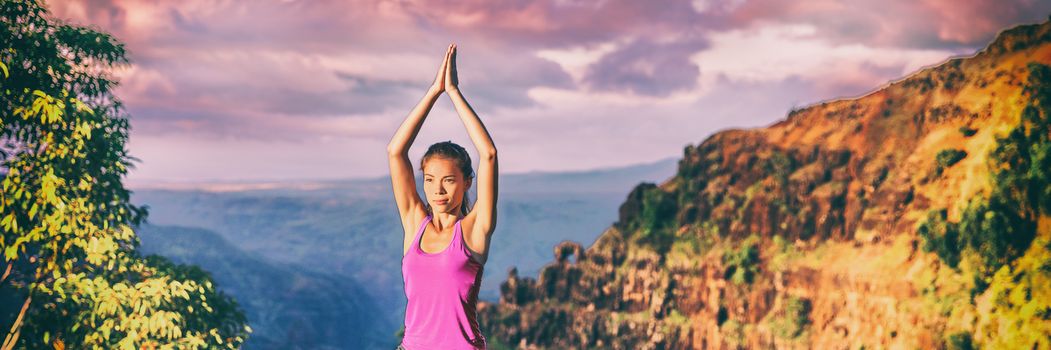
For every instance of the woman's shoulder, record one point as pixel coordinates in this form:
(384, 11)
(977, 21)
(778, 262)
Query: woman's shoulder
(414, 218)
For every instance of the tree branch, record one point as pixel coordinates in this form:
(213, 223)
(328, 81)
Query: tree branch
(16, 328)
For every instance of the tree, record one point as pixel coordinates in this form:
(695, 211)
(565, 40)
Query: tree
(71, 271)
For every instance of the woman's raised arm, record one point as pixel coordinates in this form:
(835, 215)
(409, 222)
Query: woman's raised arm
(402, 179)
(485, 207)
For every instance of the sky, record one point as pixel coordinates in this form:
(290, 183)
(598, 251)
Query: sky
(286, 90)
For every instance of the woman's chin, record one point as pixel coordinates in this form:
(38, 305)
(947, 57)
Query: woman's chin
(444, 209)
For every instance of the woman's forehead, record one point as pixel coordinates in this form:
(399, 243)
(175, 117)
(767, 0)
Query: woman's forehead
(440, 167)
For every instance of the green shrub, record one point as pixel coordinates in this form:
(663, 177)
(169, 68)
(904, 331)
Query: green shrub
(495, 344)
(658, 220)
(946, 158)
(959, 341)
(780, 166)
(989, 228)
(995, 231)
(940, 237)
(742, 264)
(735, 333)
(783, 253)
(794, 320)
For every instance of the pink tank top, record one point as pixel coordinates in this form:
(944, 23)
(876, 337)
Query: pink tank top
(442, 291)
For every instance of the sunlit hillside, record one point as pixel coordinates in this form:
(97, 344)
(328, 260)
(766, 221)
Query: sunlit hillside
(915, 216)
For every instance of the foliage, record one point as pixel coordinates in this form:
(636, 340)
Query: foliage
(1018, 314)
(496, 344)
(1000, 230)
(1024, 155)
(734, 333)
(399, 335)
(676, 321)
(780, 166)
(960, 341)
(742, 264)
(783, 253)
(657, 219)
(941, 237)
(946, 158)
(794, 319)
(989, 228)
(66, 217)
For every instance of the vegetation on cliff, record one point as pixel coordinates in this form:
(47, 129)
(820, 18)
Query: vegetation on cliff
(994, 235)
(915, 216)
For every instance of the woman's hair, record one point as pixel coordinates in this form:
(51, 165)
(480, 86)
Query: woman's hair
(456, 153)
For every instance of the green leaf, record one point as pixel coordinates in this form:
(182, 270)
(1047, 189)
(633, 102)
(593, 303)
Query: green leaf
(13, 224)
(7, 221)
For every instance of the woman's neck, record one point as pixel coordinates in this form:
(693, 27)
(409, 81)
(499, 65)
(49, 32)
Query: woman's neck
(443, 220)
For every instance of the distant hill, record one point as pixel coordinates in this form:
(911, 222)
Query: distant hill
(288, 307)
(349, 230)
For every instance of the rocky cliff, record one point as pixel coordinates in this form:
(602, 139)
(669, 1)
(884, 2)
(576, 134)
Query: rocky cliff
(916, 216)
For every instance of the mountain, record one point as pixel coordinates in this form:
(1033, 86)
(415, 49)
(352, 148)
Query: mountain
(915, 216)
(287, 307)
(345, 237)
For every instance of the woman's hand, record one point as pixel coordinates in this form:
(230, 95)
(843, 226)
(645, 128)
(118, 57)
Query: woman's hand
(438, 86)
(450, 70)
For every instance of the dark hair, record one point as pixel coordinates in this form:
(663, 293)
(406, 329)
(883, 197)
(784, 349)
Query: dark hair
(456, 153)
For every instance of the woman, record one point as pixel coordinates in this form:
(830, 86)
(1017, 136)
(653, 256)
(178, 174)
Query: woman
(446, 243)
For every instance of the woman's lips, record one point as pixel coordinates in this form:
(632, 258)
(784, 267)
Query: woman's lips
(442, 201)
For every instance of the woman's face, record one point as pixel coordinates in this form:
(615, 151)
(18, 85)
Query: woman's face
(444, 185)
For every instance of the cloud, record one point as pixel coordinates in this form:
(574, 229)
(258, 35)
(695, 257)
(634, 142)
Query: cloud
(775, 52)
(222, 68)
(975, 22)
(637, 78)
(555, 23)
(647, 67)
(926, 24)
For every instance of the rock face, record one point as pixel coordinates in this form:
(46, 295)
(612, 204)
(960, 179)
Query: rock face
(799, 235)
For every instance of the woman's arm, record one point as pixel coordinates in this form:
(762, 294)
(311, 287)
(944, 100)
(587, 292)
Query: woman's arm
(485, 207)
(402, 179)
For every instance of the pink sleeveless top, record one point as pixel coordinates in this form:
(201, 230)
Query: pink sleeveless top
(442, 291)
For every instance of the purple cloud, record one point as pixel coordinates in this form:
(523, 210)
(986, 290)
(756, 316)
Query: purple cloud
(647, 67)
(343, 74)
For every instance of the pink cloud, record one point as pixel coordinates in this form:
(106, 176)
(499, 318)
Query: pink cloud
(243, 73)
(972, 21)
(898, 23)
